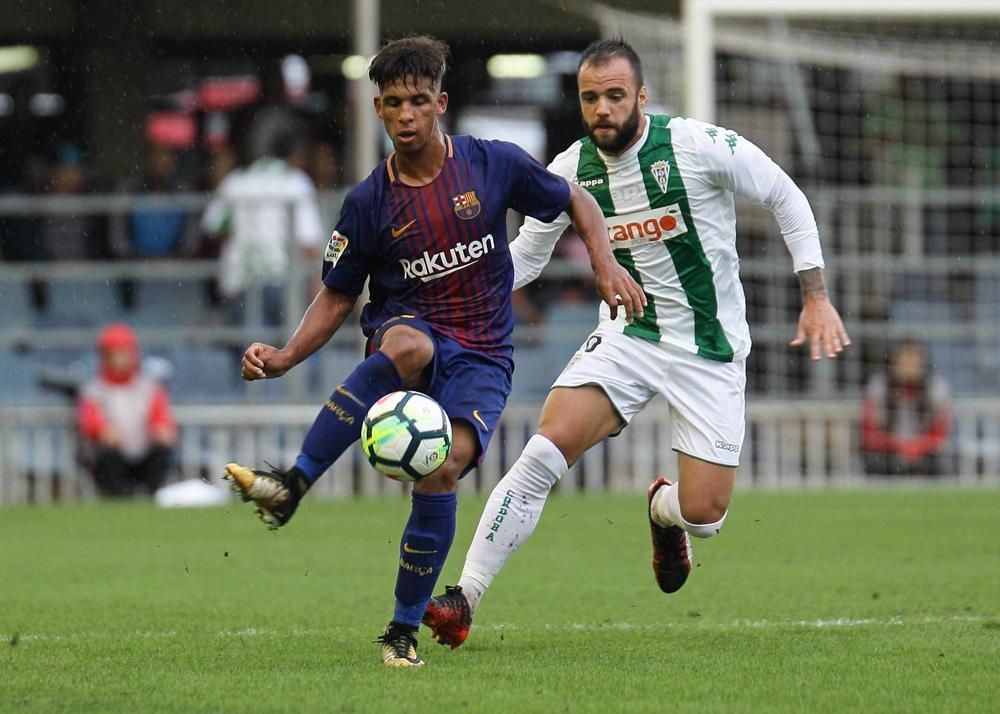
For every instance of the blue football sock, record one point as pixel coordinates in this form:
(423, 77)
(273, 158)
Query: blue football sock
(312, 468)
(426, 541)
(338, 424)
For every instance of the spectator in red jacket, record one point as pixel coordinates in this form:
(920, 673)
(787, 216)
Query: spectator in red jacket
(906, 416)
(125, 419)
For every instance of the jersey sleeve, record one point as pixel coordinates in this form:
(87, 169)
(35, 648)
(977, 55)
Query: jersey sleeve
(534, 190)
(737, 164)
(346, 265)
(531, 249)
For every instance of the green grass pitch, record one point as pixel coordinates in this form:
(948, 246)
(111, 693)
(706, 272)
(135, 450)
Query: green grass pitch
(816, 601)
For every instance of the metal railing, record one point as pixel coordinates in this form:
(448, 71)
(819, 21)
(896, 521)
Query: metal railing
(789, 444)
(891, 276)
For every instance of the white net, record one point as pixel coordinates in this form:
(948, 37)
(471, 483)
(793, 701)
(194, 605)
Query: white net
(893, 131)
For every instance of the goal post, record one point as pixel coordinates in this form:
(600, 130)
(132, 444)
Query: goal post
(699, 18)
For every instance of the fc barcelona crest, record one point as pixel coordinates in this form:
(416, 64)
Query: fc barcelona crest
(661, 174)
(467, 206)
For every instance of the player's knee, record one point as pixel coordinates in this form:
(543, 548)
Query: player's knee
(462, 454)
(571, 443)
(707, 513)
(576, 419)
(704, 506)
(704, 517)
(410, 351)
(706, 525)
(444, 480)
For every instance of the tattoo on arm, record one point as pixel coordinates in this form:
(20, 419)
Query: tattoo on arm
(811, 281)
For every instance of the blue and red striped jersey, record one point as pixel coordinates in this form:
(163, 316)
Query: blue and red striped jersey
(439, 252)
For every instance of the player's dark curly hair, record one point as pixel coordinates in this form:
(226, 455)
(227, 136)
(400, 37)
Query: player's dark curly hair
(600, 52)
(418, 57)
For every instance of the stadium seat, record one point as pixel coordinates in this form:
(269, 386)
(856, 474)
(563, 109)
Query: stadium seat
(956, 361)
(160, 303)
(534, 371)
(986, 310)
(920, 311)
(19, 380)
(15, 308)
(571, 322)
(80, 303)
(203, 374)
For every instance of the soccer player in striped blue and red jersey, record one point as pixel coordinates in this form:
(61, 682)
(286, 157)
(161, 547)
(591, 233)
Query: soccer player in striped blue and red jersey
(427, 232)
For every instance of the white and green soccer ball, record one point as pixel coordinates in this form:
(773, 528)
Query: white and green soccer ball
(406, 436)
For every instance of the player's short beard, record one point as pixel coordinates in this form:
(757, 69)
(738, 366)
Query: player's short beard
(623, 137)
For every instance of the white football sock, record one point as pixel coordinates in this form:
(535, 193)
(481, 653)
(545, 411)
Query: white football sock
(510, 515)
(666, 506)
(666, 511)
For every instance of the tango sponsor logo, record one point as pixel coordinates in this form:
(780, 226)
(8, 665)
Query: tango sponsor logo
(498, 519)
(643, 227)
(430, 266)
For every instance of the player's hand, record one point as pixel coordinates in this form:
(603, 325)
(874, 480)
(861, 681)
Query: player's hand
(821, 325)
(262, 361)
(617, 288)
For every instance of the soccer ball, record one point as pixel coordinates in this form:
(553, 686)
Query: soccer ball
(406, 436)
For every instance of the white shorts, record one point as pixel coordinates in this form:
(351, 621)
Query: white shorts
(706, 398)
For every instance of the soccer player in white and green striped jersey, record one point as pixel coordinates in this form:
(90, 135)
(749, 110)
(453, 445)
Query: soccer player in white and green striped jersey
(666, 186)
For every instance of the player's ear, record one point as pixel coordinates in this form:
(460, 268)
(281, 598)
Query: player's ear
(378, 104)
(442, 103)
(642, 96)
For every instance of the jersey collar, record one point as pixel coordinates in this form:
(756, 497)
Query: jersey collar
(390, 163)
(631, 152)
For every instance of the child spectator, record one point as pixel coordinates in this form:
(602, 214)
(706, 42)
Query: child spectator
(126, 425)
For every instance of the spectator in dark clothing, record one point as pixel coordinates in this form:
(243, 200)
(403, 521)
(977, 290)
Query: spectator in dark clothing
(155, 231)
(906, 416)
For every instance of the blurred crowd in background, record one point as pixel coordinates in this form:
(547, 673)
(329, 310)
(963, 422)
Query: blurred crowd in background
(194, 139)
(896, 147)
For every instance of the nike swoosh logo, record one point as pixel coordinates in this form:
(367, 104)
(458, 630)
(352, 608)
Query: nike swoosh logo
(397, 232)
(475, 415)
(415, 551)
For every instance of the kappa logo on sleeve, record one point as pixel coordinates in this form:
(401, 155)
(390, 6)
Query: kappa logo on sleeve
(335, 248)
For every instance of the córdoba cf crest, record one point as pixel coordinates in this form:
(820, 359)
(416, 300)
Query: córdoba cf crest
(661, 173)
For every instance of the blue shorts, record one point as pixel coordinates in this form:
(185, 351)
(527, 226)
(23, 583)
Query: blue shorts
(468, 384)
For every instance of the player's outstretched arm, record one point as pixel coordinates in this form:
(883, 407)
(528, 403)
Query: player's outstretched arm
(322, 319)
(615, 286)
(819, 322)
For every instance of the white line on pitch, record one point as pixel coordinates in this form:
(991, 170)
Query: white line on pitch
(817, 624)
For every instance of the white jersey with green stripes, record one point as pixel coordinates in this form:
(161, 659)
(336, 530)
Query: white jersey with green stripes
(668, 202)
